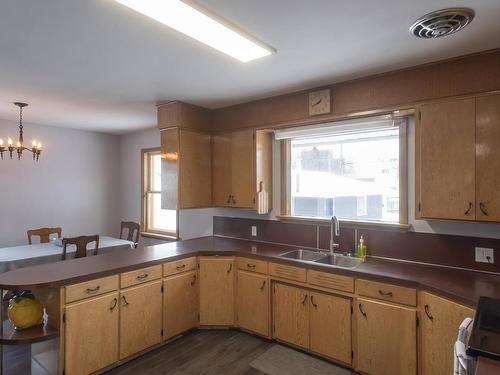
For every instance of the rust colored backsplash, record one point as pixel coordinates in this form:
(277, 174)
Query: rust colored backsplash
(439, 249)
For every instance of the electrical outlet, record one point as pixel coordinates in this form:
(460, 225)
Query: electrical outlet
(254, 231)
(485, 255)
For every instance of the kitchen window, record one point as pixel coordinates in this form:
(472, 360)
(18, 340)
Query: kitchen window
(155, 220)
(354, 169)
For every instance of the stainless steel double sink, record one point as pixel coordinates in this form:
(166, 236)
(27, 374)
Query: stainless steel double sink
(337, 260)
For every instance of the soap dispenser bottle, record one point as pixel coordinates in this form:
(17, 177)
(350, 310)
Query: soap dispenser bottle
(362, 248)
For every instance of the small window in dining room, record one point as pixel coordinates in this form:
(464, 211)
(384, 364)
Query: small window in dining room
(155, 219)
(354, 169)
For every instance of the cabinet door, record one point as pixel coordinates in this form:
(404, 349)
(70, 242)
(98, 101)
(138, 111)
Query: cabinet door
(330, 326)
(446, 160)
(386, 338)
(91, 334)
(217, 291)
(243, 169)
(253, 302)
(195, 170)
(291, 315)
(488, 158)
(180, 303)
(170, 169)
(140, 318)
(222, 169)
(440, 320)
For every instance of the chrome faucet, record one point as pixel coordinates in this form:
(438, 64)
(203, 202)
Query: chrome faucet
(334, 232)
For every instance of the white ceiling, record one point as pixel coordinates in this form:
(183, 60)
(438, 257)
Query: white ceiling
(96, 65)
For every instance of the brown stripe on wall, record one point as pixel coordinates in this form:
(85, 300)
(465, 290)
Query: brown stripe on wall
(440, 249)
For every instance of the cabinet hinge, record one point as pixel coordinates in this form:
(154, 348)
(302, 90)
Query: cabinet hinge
(352, 354)
(352, 310)
(253, 200)
(162, 288)
(419, 115)
(162, 332)
(64, 318)
(198, 317)
(418, 321)
(419, 206)
(64, 372)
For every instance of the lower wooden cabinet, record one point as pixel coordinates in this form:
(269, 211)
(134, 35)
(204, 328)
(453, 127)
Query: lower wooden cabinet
(140, 318)
(291, 315)
(386, 338)
(91, 334)
(217, 276)
(330, 326)
(440, 319)
(253, 302)
(180, 303)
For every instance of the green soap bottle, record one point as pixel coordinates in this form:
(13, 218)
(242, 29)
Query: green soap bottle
(362, 248)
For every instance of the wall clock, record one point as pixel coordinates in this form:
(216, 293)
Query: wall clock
(319, 102)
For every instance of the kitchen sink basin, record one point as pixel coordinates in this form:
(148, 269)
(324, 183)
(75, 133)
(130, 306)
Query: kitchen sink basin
(307, 255)
(340, 261)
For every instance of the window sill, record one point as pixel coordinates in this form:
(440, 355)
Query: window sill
(165, 237)
(346, 223)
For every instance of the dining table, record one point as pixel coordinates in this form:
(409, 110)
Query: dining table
(41, 253)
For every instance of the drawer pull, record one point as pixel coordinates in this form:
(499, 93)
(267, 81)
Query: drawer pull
(113, 304)
(142, 277)
(125, 300)
(194, 280)
(263, 285)
(93, 290)
(482, 207)
(252, 266)
(360, 306)
(426, 309)
(181, 267)
(469, 210)
(385, 294)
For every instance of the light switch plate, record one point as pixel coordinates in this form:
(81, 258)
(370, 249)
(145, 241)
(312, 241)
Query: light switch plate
(483, 253)
(254, 231)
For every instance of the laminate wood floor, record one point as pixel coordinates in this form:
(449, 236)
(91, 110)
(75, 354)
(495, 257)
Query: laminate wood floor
(203, 352)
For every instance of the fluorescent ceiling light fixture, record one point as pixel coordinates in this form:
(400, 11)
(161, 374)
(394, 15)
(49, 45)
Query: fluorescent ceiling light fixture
(203, 27)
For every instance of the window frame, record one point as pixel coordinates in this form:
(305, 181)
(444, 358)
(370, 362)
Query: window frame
(285, 182)
(146, 231)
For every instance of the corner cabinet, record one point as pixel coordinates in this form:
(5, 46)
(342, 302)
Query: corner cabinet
(217, 292)
(242, 167)
(440, 319)
(252, 304)
(456, 159)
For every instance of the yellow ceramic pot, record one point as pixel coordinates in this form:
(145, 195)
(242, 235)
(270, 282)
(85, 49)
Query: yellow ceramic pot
(24, 310)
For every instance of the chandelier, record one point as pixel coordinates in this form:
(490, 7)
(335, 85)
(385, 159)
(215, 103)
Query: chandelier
(19, 148)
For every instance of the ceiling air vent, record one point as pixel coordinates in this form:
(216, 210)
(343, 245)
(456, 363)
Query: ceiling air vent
(442, 22)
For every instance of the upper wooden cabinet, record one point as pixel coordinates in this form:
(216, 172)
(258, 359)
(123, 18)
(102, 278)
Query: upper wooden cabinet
(184, 115)
(440, 319)
(186, 169)
(242, 166)
(456, 159)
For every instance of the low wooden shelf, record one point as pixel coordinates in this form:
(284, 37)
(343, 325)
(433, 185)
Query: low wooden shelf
(27, 336)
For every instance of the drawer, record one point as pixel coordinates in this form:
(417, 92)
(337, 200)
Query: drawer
(287, 272)
(91, 288)
(330, 281)
(387, 292)
(179, 266)
(252, 265)
(140, 276)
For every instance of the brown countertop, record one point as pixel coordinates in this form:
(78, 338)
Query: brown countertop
(486, 366)
(463, 286)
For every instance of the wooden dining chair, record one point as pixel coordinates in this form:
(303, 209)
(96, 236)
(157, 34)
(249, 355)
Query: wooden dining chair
(134, 232)
(81, 245)
(43, 233)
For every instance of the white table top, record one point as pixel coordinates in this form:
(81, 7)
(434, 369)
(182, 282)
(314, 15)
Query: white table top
(27, 255)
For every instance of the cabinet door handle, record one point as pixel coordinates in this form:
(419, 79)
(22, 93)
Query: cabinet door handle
(305, 299)
(93, 290)
(125, 300)
(263, 285)
(482, 207)
(426, 309)
(228, 199)
(232, 198)
(194, 280)
(142, 277)
(113, 304)
(230, 268)
(469, 210)
(385, 294)
(360, 306)
(181, 267)
(312, 302)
